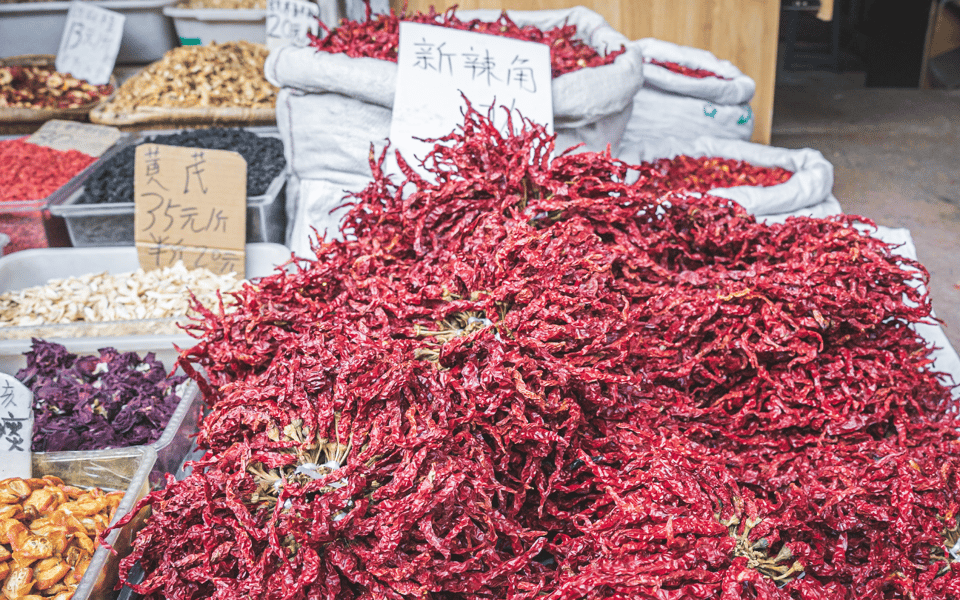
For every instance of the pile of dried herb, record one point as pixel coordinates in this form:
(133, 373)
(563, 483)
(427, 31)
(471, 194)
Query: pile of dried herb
(530, 379)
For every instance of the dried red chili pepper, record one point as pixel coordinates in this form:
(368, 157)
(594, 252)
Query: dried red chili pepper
(685, 70)
(706, 173)
(524, 369)
(379, 36)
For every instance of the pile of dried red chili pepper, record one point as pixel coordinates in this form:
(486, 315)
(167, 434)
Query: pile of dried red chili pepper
(379, 36)
(531, 379)
(685, 70)
(702, 174)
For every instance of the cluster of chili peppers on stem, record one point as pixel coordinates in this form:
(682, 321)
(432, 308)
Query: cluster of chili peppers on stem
(527, 378)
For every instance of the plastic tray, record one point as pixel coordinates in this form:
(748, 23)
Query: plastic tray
(112, 224)
(219, 24)
(37, 267)
(176, 441)
(36, 28)
(125, 469)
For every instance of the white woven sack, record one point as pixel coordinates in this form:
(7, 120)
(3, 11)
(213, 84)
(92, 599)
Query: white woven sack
(317, 205)
(811, 183)
(331, 107)
(736, 88)
(945, 358)
(591, 106)
(675, 105)
(658, 114)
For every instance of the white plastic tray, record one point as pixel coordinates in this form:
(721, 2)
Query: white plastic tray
(219, 24)
(36, 267)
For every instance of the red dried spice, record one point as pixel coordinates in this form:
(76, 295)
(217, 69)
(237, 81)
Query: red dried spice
(32, 172)
(379, 35)
(685, 70)
(532, 379)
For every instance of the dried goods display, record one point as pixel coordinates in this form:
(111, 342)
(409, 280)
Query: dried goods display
(532, 379)
(113, 180)
(32, 172)
(685, 70)
(379, 35)
(113, 400)
(43, 87)
(156, 294)
(211, 76)
(51, 530)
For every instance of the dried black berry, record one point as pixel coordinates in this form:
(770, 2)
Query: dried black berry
(113, 180)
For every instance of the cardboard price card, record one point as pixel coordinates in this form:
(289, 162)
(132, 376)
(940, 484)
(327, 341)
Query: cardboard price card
(191, 205)
(437, 66)
(90, 42)
(288, 22)
(92, 140)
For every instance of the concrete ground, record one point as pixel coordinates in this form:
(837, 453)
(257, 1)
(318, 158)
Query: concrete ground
(896, 157)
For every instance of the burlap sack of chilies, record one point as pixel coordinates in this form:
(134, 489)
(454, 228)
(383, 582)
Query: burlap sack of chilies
(675, 105)
(332, 107)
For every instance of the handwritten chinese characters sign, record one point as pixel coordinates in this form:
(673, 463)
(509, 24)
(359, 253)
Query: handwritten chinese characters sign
(436, 64)
(16, 419)
(288, 22)
(90, 42)
(191, 205)
(92, 140)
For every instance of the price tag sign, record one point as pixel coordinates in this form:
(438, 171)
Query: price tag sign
(90, 42)
(16, 415)
(191, 205)
(288, 22)
(436, 64)
(92, 140)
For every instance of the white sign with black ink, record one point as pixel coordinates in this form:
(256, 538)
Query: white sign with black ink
(90, 42)
(288, 22)
(437, 66)
(16, 418)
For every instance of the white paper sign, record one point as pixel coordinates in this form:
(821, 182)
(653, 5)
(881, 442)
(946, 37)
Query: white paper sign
(288, 22)
(436, 64)
(16, 418)
(90, 42)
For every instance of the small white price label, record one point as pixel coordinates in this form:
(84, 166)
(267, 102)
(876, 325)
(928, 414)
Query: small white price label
(288, 22)
(90, 42)
(16, 419)
(438, 66)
